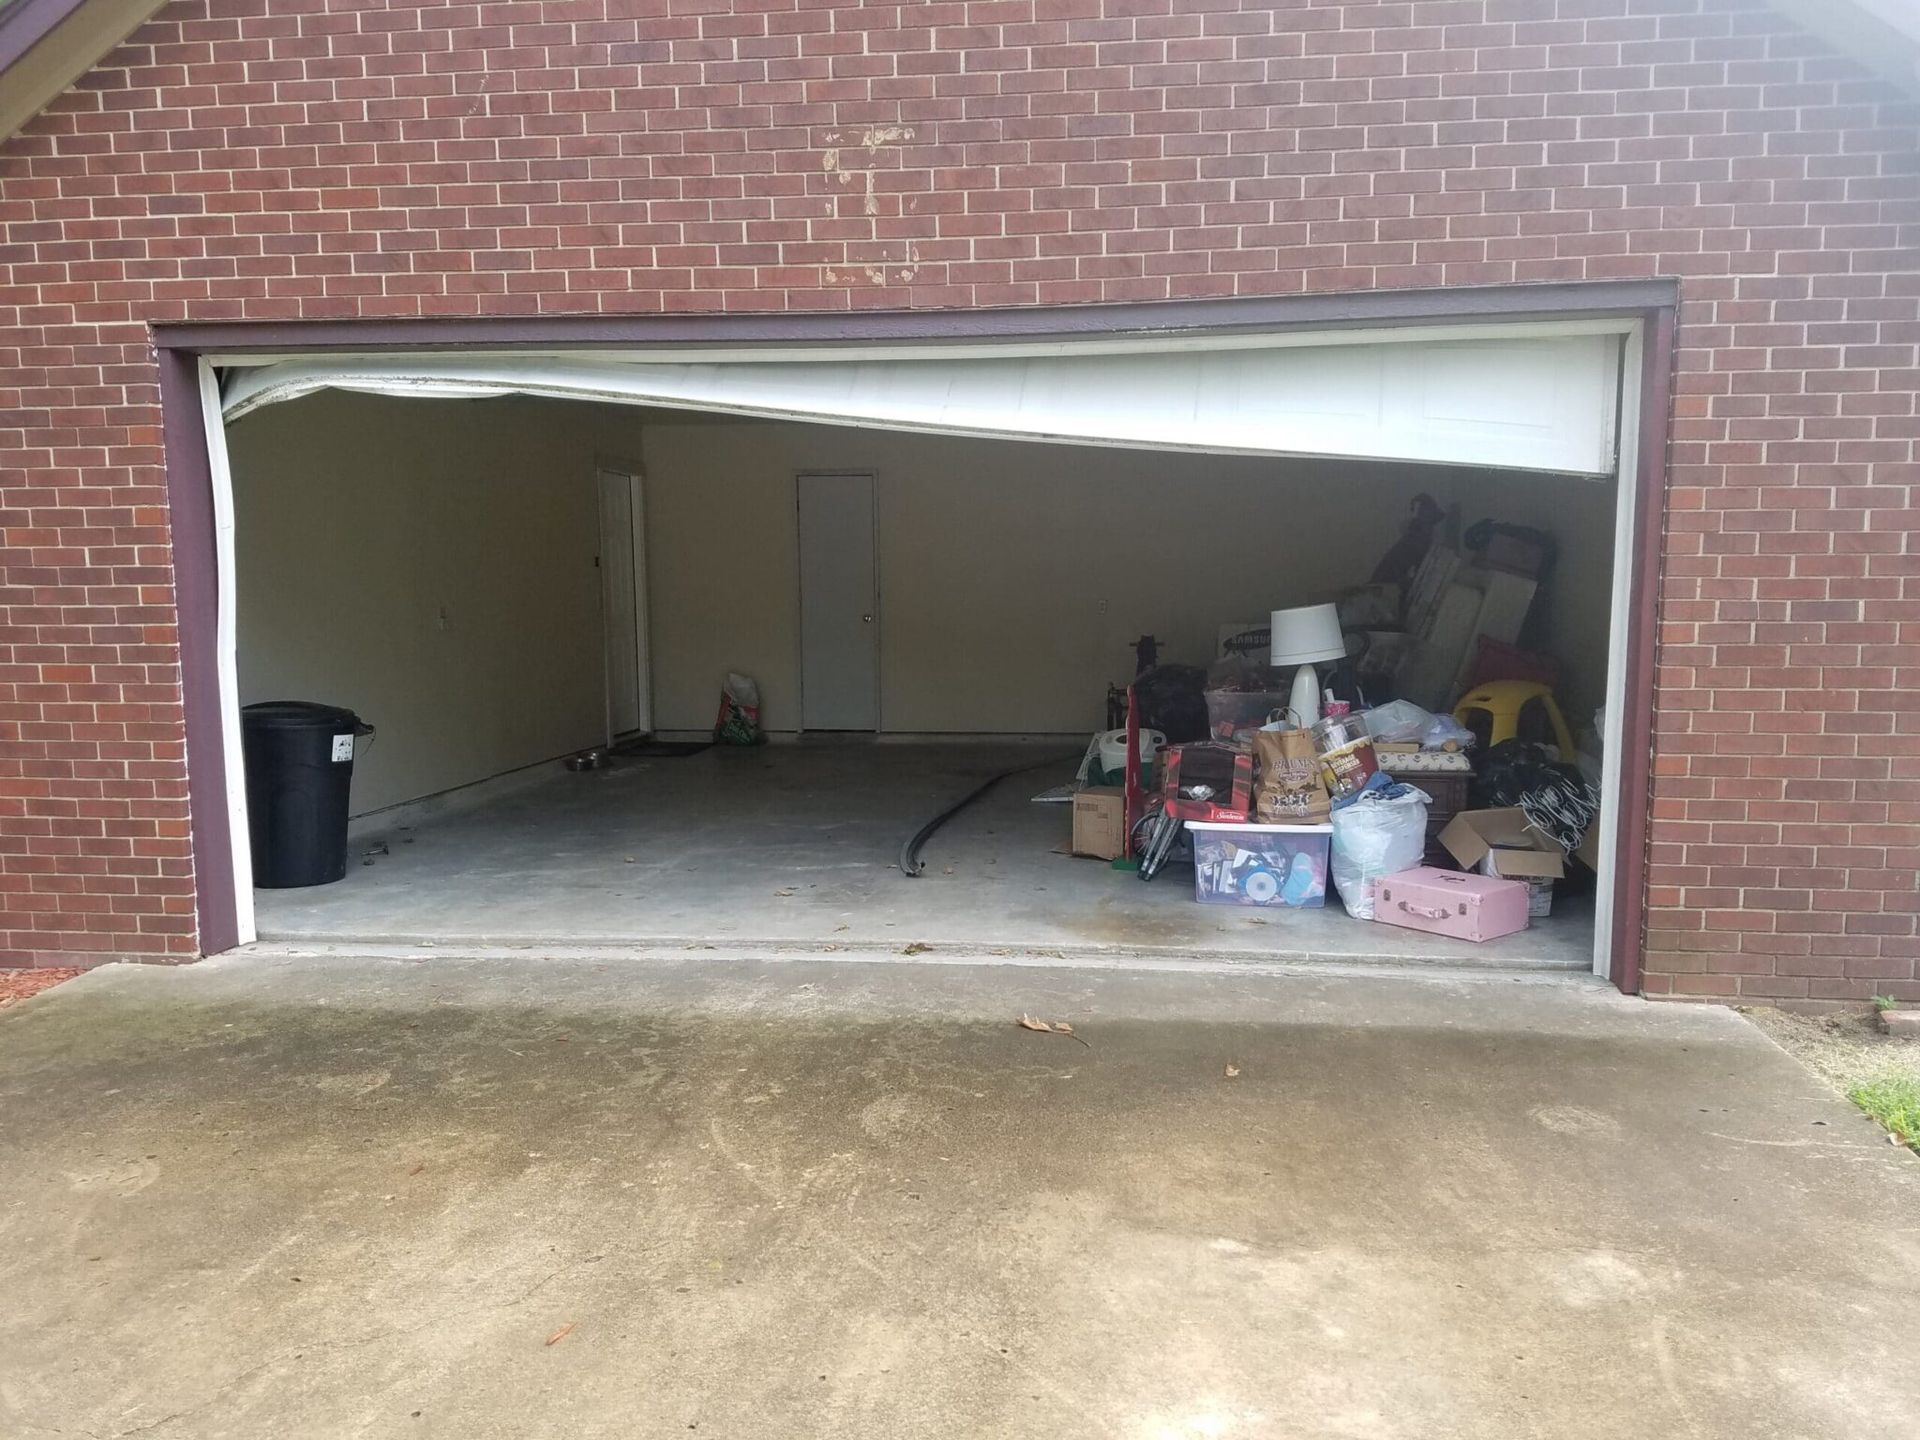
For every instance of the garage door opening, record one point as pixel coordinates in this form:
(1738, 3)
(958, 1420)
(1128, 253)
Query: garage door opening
(504, 579)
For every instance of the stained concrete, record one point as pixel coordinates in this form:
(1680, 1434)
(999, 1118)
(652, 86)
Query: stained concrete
(331, 1198)
(798, 845)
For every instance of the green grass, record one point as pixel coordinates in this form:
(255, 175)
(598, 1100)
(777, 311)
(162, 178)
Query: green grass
(1893, 1100)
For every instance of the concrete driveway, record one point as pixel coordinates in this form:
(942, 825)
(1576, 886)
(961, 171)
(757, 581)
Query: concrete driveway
(547, 1198)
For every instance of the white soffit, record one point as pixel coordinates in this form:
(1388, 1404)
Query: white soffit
(1528, 402)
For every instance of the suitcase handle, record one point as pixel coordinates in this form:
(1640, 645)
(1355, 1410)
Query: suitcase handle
(1428, 911)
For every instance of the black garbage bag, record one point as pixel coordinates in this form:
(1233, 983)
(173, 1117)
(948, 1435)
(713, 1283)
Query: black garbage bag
(1173, 700)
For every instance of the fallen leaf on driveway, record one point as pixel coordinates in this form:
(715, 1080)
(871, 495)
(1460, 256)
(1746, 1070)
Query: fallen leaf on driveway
(1054, 1027)
(1232, 1070)
(557, 1336)
(916, 948)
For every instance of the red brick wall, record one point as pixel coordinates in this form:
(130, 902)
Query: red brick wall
(268, 159)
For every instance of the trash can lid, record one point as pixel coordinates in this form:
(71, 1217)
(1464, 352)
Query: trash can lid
(298, 715)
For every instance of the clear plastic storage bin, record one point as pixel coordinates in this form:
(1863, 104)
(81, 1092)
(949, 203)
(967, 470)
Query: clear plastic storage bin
(1260, 864)
(1232, 713)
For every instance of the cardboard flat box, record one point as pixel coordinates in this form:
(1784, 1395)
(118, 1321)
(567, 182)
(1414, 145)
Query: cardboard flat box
(1100, 822)
(1587, 852)
(1510, 847)
(1517, 553)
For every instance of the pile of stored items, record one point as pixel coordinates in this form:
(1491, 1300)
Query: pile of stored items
(1305, 757)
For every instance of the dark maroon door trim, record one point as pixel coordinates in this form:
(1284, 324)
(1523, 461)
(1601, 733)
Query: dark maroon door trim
(1643, 627)
(1257, 313)
(189, 480)
(196, 595)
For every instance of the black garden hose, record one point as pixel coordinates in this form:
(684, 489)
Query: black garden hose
(910, 863)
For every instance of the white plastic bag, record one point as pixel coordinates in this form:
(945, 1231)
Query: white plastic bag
(739, 720)
(1444, 730)
(1398, 721)
(1381, 833)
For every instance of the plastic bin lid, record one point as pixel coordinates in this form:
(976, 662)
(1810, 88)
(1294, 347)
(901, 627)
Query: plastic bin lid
(298, 715)
(1260, 829)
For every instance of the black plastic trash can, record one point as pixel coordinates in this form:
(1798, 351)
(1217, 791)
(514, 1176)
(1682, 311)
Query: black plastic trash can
(299, 761)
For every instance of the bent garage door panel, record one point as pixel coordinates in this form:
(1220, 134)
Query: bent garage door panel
(1532, 403)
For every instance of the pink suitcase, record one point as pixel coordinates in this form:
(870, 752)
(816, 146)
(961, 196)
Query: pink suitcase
(1448, 902)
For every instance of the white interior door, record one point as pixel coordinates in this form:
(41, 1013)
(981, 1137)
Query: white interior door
(623, 591)
(839, 599)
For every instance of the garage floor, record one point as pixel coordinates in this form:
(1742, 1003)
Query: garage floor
(796, 845)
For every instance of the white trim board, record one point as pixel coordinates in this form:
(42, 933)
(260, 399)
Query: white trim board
(1613, 766)
(227, 653)
(633, 545)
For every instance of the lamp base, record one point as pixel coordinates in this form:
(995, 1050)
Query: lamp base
(1304, 700)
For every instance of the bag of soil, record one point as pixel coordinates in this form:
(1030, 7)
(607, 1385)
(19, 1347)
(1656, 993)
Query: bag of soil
(1288, 789)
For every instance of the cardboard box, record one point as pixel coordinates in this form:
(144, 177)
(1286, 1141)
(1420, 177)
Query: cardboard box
(1520, 553)
(1502, 843)
(1539, 899)
(1100, 822)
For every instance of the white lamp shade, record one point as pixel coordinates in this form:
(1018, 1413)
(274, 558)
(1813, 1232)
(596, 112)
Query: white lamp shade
(1307, 635)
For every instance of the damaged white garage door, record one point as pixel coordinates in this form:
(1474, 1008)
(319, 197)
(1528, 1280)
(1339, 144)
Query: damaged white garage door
(1520, 401)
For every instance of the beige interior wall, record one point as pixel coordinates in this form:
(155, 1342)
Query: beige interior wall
(1581, 515)
(361, 520)
(1015, 576)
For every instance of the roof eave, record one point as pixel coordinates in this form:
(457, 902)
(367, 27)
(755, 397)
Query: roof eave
(1882, 35)
(46, 45)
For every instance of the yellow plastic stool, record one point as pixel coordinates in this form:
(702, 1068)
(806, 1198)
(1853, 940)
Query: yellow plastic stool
(1501, 701)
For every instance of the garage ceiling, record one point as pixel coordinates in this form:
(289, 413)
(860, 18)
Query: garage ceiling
(1546, 402)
